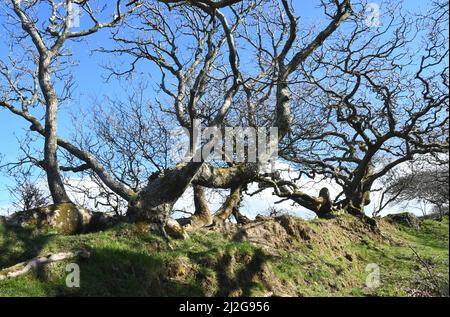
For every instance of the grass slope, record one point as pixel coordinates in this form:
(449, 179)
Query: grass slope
(128, 260)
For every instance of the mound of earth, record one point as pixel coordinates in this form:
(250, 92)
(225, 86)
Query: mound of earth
(406, 219)
(280, 256)
(285, 232)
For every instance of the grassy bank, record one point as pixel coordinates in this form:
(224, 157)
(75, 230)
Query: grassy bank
(327, 258)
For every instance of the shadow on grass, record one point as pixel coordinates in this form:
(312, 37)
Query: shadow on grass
(20, 244)
(108, 272)
(111, 272)
(243, 280)
(122, 271)
(236, 270)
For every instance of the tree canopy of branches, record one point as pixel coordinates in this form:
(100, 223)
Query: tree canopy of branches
(382, 102)
(425, 181)
(37, 57)
(351, 101)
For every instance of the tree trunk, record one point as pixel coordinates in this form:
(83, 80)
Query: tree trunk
(155, 202)
(321, 205)
(226, 178)
(356, 201)
(283, 109)
(54, 179)
(240, 218)
(354, 204)
(202, 215)
(232, 202)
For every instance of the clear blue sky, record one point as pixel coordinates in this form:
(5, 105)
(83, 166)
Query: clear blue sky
(89, 82)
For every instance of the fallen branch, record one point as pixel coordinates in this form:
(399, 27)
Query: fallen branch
(25, 267)
(432, 276)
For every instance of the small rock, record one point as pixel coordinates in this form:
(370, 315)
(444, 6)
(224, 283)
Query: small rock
(406, 219)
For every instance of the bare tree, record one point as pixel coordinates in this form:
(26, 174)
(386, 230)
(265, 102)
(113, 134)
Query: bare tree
(192, 78)
(377, 97)
(426, 181)
(130, 138)
(28, 195)
(38, 56)
(349, 106)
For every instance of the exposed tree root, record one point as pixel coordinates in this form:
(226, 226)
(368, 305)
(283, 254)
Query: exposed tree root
(25, 267)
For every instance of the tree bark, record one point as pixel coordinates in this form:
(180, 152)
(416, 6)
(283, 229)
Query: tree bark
(240, 218)
(202, 212)
(356, 201)
(155, 202)
(202, 216)
(226, 178)
(232, 202)
(54, 179)
(321, 205)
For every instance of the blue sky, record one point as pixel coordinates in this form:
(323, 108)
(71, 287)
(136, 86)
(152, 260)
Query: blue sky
(90, 83)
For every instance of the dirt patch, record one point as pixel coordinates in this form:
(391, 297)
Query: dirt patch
(295, 228)
(269, 235)
(179, 268)
(272, 234)
(286, 232)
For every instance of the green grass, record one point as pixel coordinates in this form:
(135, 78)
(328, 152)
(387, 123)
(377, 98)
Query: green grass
(401, 270)
(128, 260)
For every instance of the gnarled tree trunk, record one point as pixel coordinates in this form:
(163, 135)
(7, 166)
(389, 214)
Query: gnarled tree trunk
(155, 202)
(54, 179)
(232, 202)
(321, 205)
(202, 216)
